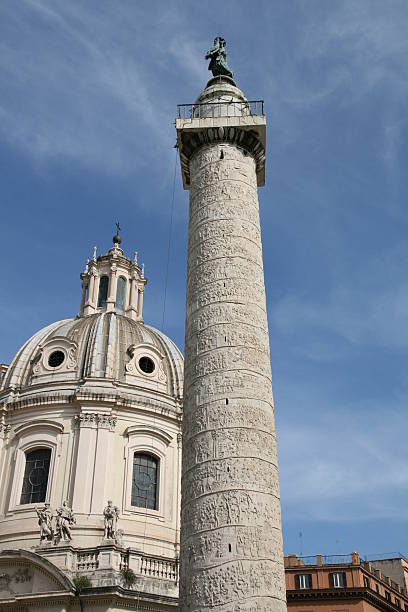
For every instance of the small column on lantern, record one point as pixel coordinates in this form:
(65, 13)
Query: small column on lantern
(131, 311)
(85, 286)
(141, 286)
(140, 304)
(113, 280)
(91, 274)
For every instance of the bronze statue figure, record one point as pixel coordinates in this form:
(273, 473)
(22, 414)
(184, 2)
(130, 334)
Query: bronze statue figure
(218, 58)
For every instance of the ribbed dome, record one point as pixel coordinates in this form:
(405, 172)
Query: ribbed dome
(106, 346)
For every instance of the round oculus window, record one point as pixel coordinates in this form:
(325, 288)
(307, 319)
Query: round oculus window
(56, 359)
(146, 365)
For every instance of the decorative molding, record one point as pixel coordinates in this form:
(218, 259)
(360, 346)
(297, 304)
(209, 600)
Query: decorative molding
(125, 400)
(94, 420)
(4, 431)
(39, 424)
(149, 430)
(40, 360)
(156, 379)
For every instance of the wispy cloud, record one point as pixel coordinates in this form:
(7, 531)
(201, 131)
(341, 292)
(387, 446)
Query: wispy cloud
(87, 94)
(343, 468)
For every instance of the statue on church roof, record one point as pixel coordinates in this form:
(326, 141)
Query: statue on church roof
(218, 58)
(64, 520)
(110, 515)
(45, 522)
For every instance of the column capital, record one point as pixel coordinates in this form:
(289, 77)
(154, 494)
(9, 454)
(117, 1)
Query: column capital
(95, 420)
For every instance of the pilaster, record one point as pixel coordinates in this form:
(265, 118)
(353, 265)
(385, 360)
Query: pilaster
(94, 431)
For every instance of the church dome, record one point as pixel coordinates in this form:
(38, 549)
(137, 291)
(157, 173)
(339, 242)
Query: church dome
(105, 346)
(90, 424)
(107, 350)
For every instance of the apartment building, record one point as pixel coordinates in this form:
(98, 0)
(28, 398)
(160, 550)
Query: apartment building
(345, 584)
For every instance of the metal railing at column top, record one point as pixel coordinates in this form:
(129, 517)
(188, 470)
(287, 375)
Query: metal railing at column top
(212, 110)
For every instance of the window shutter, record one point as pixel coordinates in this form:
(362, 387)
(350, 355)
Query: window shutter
(331, 580)
(344, 579)
(297, 581)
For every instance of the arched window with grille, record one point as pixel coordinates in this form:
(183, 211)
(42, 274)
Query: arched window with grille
(120, 293)
(145, 481)
(103, 291)
(35, 480)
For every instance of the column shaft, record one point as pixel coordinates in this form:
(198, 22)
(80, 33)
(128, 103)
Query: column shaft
(231, 544)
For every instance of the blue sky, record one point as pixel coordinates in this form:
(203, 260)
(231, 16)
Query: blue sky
(89, 95)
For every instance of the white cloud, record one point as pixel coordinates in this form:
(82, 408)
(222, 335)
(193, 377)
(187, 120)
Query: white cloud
(346, 467)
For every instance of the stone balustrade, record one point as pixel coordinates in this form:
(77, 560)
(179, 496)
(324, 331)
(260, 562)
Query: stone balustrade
(157, 567)
(87, 561)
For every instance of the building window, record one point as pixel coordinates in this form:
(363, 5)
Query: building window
(146, 365)
(103, 291)
(366, 582)
(56, 359)
(145, 481)
(120, 293)
(37, 467)
(377, 588)
(397, 603)
(338, 580)
(387, 595)
(303, 581)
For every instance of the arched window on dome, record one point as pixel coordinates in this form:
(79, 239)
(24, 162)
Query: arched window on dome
(120, 293)
(145, 481)
(35, 480)
(103, 291)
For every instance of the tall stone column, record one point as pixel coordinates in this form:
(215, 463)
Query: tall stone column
(231, 542)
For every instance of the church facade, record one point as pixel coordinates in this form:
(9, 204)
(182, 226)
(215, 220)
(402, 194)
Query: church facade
(90, 455)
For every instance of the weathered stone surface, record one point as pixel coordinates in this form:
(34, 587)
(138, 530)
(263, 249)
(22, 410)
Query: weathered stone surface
(231, 543)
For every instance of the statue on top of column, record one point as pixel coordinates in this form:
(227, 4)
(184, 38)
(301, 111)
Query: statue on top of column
(218, 58)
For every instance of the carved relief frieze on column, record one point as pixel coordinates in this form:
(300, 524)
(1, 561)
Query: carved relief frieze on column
(231, 543)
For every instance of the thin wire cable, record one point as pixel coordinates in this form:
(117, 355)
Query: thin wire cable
(164, 311)
(169, 245)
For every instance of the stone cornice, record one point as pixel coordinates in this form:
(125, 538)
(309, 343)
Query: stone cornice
(119, 400)
(342, 594)
(125, 598)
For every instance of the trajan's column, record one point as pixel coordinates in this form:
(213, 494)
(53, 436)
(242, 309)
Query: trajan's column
(231, 539)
